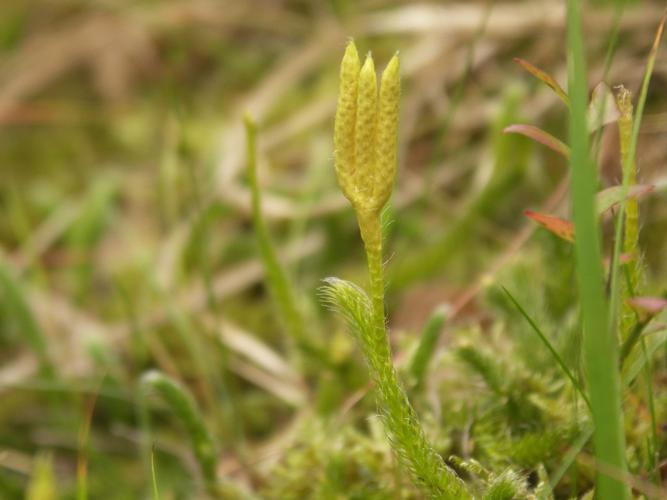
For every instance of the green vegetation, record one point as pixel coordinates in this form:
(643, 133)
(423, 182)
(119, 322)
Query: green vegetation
(174, 206)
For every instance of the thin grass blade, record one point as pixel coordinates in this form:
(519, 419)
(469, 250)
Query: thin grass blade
(545, 340)
(600, 344)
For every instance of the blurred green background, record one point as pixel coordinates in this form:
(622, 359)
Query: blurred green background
(126, 242)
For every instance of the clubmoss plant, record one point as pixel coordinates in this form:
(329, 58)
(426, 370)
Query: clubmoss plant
(365, 161)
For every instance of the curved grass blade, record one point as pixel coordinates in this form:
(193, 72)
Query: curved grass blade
(183, 406)
(541, 136)
(545, 77)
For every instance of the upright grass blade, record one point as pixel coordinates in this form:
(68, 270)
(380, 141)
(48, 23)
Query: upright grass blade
(600, 343)
(183, 406)
(557, 357)
(84, 446)
(277, 279)
(156, 491)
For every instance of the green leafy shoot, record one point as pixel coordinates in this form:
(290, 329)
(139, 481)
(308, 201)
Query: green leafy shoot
(428, 341)
(183, 406)
(401, 422)
(507, 486)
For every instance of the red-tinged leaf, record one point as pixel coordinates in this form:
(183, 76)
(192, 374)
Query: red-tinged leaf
(539, 135)
(648, 305)
(602, 108)
(562, 228)
(606, 199)
(544, 77)
(612, 196)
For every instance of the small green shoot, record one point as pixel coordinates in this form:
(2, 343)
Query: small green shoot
(183, 406)
(406, 434)
(426, 347)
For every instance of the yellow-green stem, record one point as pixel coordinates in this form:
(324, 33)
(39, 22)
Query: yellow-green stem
(371, 234)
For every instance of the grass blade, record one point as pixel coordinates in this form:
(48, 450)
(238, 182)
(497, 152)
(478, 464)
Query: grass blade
(277, 279)
(156, 492)
(541, 136)
(546, 78)
(557, 357)
(182, 404)
(600, 344)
